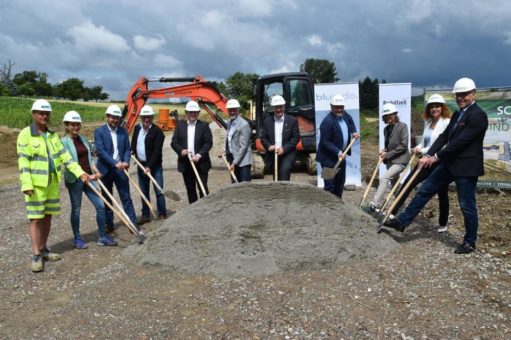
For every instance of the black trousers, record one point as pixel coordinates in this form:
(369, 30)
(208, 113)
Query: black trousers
(285, 164)
(192, 185)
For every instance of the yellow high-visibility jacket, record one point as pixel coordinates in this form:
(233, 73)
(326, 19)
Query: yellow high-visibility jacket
(33, 161)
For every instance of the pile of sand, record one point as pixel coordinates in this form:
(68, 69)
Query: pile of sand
(262, 228)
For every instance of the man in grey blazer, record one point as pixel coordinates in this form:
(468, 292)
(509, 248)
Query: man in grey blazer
(237, 143)
(395, 153)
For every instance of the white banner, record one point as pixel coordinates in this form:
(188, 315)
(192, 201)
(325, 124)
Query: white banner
(401, 96)
(323, 93)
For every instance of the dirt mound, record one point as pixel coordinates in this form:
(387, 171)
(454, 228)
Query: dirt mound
(262, 229)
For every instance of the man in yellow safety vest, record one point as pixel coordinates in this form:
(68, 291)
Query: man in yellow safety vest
(40, 157)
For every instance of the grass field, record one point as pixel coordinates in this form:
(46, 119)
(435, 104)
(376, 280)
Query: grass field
(15, 111)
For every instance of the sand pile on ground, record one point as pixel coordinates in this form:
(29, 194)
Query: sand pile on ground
(262, 228)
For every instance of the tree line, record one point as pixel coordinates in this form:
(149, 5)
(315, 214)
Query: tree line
(239, 85)
(35, 84)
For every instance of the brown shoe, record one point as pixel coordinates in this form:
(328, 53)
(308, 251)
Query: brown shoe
(162, 217)
(109, 229)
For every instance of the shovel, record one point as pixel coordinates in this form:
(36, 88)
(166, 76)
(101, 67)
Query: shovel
(197, 175)
(394, 188)
(370, 182)
(169, 193)
(151, 207)
(119, 212)
(228, 167)
(398, 198)
(329, 173)
(276, 167)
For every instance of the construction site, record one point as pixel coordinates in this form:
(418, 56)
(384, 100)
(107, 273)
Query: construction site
(258, 260)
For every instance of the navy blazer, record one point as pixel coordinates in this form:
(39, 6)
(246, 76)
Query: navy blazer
(331, 139)
(105, 148)
(153, 145)
(463, 151)
(203, 143)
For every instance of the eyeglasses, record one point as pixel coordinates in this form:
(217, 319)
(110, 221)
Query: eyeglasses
(42, 113)
(462, 94)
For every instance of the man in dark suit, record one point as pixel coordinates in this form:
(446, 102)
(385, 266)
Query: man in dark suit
(113, 149)
(147, 145)
(459, 149)
(336, 132)
(280, 135)
(193, 138)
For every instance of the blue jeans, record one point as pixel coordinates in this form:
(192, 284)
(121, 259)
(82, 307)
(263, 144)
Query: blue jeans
(466, 190)
(336, 184)
(145, 185)
(75, 194)
(122, 184)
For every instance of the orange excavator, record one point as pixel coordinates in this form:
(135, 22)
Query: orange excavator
(196, 89)
(295, 87)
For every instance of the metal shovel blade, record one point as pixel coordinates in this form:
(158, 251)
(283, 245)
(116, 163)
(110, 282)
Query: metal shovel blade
(172, 195)
(329, 173)
(141, 238)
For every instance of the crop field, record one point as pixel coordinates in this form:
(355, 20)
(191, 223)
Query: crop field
(15, 111)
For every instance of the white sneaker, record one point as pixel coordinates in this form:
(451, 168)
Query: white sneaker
(442, 229)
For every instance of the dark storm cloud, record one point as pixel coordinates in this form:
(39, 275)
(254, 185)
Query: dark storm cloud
(428, 43)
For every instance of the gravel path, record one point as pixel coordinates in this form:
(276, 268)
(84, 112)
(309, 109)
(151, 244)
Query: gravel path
(420, 290)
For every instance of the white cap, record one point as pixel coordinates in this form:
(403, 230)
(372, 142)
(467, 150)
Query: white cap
(436, 98)
(464, 85)
(113, 110)
(388, 109)
(233, 104)
(72, 117)
(41, 105)
(192, 106)
(337, 100)
(277, 100)
(147, 111)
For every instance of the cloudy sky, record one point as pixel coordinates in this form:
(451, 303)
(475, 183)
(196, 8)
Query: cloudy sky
(112, 43)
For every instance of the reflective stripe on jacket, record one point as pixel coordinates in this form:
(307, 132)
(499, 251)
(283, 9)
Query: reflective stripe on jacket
(33, 161)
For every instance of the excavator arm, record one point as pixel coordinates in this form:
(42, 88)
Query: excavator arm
(197, 89)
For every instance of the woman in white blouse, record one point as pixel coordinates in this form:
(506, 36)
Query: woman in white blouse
(437, 117)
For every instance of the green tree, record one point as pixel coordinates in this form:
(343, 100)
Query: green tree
(71, 89)
(32, 83)
(369, 93)
(219, 86)
(320, 70)
(240, 86)
(4, 90)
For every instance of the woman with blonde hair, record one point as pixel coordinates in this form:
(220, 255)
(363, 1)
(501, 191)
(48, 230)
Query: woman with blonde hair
(80, 150)
(436, 118)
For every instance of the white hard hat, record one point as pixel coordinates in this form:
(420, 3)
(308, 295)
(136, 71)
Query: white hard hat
(147, 111)
(464, 85)
(192, 106)
(72, 117)
(337, 100)
(233, 104)
(41, 105)
(436, 98)
(277, 100)
(388, 109)
(113, 110)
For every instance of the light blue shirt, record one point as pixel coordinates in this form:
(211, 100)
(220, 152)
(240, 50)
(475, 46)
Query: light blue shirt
(345, 132)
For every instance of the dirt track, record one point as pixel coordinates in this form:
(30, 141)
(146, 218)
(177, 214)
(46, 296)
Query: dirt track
(421, 290)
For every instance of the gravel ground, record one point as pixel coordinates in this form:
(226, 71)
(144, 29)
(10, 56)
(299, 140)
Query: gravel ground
(420, 290)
